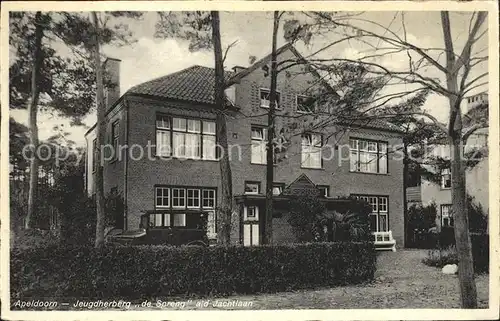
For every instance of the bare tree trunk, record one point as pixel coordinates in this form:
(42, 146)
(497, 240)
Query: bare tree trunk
(225, 208)
(32, 122)
(468, 292)
(268, 218)
(405, 198)
(100, 131)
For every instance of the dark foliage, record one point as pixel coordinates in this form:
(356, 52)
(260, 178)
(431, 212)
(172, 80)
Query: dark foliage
(189, 271)
(480, 251)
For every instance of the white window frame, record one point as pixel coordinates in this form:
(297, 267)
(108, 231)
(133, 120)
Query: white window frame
(280, 188)
(164, 125)
(246, 210)
(325, 190)
(259, 143)
(183, 198)
(168, 196)
(448, 216)
(115, 137)
(445, 172)
(174, 215)
(193, 198)
(263, 103)
(309, 149)
(212, 197)
(376, 202)
(380, 152)
(251, 183)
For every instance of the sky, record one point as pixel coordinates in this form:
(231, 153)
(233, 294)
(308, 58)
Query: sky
(149, 57)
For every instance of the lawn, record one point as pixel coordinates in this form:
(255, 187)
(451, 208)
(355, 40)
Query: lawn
(402, 281)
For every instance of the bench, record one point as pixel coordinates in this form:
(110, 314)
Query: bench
(384, 241)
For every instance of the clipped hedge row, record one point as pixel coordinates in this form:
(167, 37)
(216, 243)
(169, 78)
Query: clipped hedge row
(189, 271)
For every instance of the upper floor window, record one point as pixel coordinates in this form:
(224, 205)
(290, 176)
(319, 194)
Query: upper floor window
(305, 104)
(265, 100)
(445, 178)
(181, 137)
(259, 145)
(446, 215)
(368, 156)
(311, 150)
(252, 188)
(115, 136)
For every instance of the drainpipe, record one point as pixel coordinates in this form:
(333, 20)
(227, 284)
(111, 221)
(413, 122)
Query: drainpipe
(125, 165)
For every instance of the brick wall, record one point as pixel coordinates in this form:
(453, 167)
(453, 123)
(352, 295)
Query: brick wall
(144, 174)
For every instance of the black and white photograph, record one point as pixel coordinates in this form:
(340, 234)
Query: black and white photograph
(243, 157)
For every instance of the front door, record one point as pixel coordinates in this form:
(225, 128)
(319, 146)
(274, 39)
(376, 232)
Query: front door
(251, 233)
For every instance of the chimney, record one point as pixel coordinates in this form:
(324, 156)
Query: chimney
(237, 69)
(111, 69)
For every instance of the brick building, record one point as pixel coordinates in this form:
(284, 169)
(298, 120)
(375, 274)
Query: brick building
(176, 114)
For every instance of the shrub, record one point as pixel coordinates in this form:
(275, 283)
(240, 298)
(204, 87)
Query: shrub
(440, 258)
(160, 271)
(448, 255)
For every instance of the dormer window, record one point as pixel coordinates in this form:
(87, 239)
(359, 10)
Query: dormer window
(265, 101)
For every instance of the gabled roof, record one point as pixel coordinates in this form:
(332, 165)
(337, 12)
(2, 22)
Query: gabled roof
(194, 84)
(264, 61)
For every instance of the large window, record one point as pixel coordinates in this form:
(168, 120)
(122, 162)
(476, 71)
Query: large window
(259, 145)
(181, 137)
(368, 156)
(446, 178)
(181, 207)
(446, 215)
(311, 150)
(379, 217)
(265, 100)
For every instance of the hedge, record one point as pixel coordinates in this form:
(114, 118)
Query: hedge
(189, 271)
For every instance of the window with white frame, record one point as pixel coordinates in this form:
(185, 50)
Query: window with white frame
(311, 150)
(368, 156)
(445, 178)
(208, 198)
(305, 104)
(193, 198)
(278, 188)
(162, 197)
(181, 206)
(182, 137)
(446, 215)
(324, 190)
(379, 217)
(178, 197)
(265, 100)
(259, 145)
(251, 213)
(252, 188)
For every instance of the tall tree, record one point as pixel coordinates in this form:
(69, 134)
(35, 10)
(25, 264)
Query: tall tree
(455, 81)
(268, 218)
(33, 111)
(43, 80)
(220, 103)
(202, 30)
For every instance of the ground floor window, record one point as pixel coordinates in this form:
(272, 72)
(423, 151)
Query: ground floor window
(177, 206)
(379, 217)
(446, 215)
